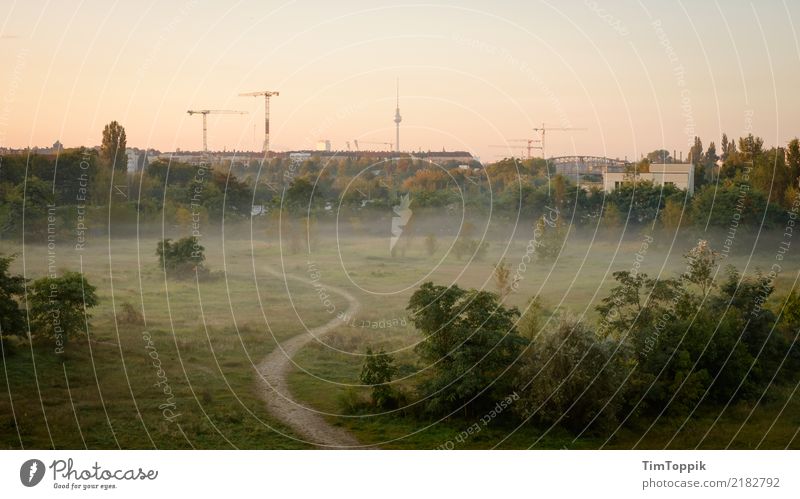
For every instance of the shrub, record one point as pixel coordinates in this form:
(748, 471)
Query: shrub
(129, 315)
(469, 343)
(377, 372)
(569, 377)
(59, 306)
(12, 287)
(183, 257)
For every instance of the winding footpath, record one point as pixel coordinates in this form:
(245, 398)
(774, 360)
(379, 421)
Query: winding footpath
(273, 372)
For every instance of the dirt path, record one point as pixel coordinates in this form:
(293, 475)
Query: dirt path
(273, 373)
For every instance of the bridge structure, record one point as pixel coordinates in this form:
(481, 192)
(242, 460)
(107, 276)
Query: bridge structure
(586, 165)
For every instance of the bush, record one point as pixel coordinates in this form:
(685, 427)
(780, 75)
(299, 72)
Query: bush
(466, 247)
(183, 257)
(569, 377)
(130, 315)
(59, 306)
(377, 372)
(351, 401)
(12, 287)
(469, 344)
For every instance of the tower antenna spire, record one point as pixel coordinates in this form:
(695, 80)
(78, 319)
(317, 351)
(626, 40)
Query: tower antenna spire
(397, 119)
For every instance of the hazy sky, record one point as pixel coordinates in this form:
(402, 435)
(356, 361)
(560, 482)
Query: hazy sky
(637, 75)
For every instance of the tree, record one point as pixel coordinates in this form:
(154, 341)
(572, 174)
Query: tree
(701, 263)
(469, 341)
(571, 377)
(793, 161)
(659, 156)
(12, 287)
(377, 372)
(113, 147)
(503, 280)
(725, 147)
(751, 147)
(711, 154)
(672, 216)
(550, 238)
(704, 173)
(183, 257)
(59, 306)
(298, 198)
(612, 218)
(33, 201)
(696, 152)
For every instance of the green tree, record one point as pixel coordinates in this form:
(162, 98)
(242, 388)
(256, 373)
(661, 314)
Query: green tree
(751, 147)
(12, 287)
(725, 145)
(503, 280)
(469, 341)
(31, 201)
(701, 263)
(377, 372)
(696, 152)
(659, 156)
(571, 377)
(793, 161)
(183, 257)
(113, 147)
(59, 306)
(298, 198)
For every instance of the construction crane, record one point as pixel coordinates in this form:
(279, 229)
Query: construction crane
(266, 94)
(205, 113)
(529, 145)
(544, 129)
(507, 147)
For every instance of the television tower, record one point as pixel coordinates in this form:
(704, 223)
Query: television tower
(397, 118)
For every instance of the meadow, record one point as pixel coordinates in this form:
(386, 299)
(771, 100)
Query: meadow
(106, 390)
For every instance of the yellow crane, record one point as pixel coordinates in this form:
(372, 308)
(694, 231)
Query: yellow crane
(205, 113)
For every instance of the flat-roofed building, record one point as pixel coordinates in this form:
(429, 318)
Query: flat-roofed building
(681, 175)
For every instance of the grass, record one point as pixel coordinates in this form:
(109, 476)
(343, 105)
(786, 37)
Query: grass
(102, 394)
(574, 284)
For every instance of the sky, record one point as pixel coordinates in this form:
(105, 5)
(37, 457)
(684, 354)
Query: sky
(634, 76)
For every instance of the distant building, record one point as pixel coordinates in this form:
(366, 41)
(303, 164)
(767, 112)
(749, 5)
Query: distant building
(681, 175)
(436, 157)
(133, 159)
(324, 145)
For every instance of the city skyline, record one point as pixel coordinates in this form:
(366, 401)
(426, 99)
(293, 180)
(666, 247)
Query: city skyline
(637, 76)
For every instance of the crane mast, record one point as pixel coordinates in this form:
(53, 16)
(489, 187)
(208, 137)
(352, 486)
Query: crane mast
(205, 113)
(266, 94)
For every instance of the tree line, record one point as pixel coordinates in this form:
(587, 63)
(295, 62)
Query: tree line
(659, 347)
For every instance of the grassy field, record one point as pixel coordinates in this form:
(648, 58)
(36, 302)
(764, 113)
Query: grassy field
(208, 335)
(573, 284)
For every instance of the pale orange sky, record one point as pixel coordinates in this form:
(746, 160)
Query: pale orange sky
(637, 75)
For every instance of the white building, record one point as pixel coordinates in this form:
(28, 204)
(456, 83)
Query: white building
(681, 175)
(133, 159)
